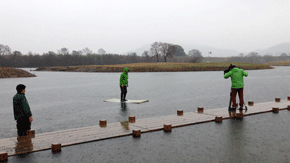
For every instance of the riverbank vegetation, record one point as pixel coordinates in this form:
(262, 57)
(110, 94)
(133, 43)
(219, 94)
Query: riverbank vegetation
(279, 63)
(6, 72)
(157, 67)
(158, 52)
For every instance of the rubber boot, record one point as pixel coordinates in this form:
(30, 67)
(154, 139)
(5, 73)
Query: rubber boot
(122, 99)
(125, 97)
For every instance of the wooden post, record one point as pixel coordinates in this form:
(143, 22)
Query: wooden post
(250, 103)
(179, 112)
(103, 123)
(277, 99)
(288, 107)
(3, 157)
(219, 119)
(200, 110)
(239, 115)
(132, 119)
(136, 133)
(288, 98)
(167, 127)
(56, 147)
(275, 110)
(31, 133)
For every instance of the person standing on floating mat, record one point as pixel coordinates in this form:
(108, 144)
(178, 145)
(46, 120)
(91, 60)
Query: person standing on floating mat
(236, 75)
(22, 113)
(124, 84)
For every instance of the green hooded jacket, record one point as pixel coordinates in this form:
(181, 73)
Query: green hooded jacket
(124, 77)
(20, 106)
(236, 75)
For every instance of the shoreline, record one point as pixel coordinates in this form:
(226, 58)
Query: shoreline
(155, 67)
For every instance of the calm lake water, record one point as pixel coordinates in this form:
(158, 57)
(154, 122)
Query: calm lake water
(65, 100)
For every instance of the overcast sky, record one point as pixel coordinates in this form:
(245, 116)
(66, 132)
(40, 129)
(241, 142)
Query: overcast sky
(122, 25)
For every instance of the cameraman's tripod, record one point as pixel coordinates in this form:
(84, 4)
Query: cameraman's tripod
(231, 103)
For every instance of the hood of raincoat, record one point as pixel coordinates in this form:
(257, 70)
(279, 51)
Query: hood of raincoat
(124, 77)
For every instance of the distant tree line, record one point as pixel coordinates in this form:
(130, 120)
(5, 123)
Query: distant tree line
(254, 57)
(169, 52)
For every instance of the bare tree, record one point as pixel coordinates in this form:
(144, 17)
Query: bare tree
(155, 50)
(167, 50)
(146, 55)
(101, 51)
(87, 51)
(195, 56)
(5, 50)
(63, 51)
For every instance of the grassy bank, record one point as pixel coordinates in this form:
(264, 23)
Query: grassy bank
(279, 63)
(157, 67)
(6, 72)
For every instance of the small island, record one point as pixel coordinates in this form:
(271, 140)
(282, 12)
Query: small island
(157, 67)
(8, 72)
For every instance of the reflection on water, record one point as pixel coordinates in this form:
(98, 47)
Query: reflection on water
(233, 113)
(23, 145)
(124, 113)
(125, 125)
(123, 106)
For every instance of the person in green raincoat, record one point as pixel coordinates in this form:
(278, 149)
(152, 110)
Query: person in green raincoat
(124, 84)
(237, 79)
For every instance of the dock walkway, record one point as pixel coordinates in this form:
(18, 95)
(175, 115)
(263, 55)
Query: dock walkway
(13, 146)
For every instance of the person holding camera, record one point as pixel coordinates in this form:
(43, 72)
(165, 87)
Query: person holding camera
(237, 79)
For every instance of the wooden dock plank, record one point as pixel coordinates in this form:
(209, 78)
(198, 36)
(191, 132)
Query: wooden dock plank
(69, 137)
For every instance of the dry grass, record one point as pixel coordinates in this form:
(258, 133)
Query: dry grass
(157, 67)
(6, 72)
(279, 63)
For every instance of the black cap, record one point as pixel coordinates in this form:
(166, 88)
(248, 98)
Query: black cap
(232, 65)
(20, 87)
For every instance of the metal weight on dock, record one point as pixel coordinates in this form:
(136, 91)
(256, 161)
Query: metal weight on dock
(31, 133)
(132, 119)
(239, 115)
(275, 110)
(200, 109)
(3, 157)
(219, 119)
(167, 127)
(277, 99)
(56, 147)
(103, 123)
(136, 133)
(250, 103)
(179, 112)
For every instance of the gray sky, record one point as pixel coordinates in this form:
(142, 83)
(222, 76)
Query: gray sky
(122, 25)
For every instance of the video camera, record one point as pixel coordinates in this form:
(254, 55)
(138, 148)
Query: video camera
(226, 71)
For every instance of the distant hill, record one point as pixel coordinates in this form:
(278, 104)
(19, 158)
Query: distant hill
(216, 52)
(280, 48)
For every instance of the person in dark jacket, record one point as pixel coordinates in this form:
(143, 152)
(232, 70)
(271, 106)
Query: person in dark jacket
(22, 113)
(124, 83)
(237, 79)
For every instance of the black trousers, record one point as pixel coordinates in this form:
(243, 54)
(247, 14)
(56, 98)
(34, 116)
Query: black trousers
(23, 124)
(123, 92)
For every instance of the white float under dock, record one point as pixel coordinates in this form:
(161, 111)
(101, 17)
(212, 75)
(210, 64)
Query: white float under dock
(129, 101)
